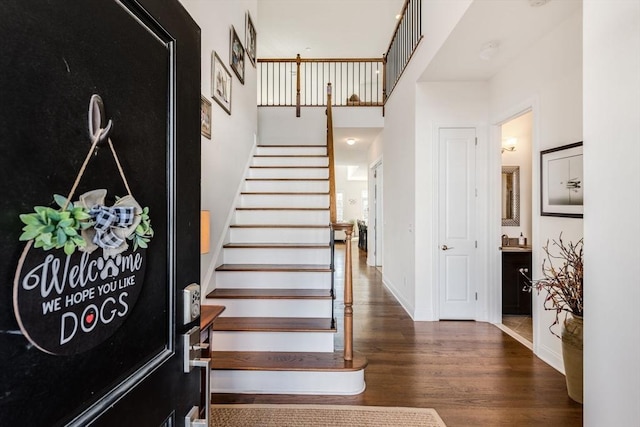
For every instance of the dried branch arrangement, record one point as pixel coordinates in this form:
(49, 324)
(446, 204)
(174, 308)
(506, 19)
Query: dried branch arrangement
(563, 275)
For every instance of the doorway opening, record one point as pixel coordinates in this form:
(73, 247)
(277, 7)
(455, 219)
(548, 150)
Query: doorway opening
(516, 225)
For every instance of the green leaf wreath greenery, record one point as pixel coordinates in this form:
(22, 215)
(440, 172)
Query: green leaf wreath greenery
(51, 228)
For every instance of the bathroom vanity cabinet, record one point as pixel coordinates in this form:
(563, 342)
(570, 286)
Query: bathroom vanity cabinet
(515, 300)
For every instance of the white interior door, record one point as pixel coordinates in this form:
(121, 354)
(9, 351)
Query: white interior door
(456, 234)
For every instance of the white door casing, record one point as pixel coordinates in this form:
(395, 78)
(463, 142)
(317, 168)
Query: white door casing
(378, 224)
(457, 244)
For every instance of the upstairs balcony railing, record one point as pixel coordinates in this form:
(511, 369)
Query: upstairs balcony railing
(302, 82)
(404, 42)
(362, 82)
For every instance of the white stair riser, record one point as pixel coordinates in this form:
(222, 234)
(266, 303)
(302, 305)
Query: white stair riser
(291, 151)
(284, 201)
(274, 307)
(273, 279)
(287, 382)
(287, 186)
(279, 235)
(273, 341)
(289, 173)
(277, 256)
(290, 161)
(256, 217)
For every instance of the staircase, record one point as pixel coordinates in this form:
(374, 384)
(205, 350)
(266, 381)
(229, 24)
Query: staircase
(277, 332)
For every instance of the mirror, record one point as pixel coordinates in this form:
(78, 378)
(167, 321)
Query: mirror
(511, 195)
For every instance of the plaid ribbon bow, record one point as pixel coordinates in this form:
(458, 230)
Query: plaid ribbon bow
(105, 219)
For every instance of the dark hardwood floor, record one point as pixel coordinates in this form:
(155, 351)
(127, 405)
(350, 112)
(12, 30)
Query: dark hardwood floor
(472, 373)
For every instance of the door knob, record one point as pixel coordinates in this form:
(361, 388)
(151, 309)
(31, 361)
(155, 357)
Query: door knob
(445, 248)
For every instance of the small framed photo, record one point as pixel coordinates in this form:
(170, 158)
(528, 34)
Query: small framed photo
(250, 39)
(205, 117)
(220, 83)
(562, 181)
(236, 55)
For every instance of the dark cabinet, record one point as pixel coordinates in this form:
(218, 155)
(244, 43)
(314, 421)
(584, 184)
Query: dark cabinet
(514, 299)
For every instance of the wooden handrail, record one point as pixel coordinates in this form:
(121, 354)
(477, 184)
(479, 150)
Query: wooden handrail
(395, 30)
(320, 59)
(348, 231)
(332, 171)
(348, 288)
(404, 42)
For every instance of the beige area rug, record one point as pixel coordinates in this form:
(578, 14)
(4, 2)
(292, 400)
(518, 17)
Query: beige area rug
(322, 415)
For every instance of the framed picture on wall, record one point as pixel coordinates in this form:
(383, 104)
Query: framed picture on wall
(220, 83)
(562, 181)
(236, 55)
(205, 117)
(250, 39)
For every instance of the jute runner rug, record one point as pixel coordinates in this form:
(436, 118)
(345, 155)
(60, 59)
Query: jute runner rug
(321, 416)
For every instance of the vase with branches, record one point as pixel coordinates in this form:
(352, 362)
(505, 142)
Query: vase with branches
(562, 281)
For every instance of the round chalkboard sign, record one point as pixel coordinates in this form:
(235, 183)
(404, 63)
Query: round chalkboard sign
(68, 304)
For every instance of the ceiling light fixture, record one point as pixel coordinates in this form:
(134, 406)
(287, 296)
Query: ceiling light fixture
(351, 141)
(489, 50)
(538, 3)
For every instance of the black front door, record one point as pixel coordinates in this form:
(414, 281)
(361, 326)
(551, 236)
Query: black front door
(91, 292)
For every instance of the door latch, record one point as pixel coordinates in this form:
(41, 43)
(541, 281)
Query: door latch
(191, 357)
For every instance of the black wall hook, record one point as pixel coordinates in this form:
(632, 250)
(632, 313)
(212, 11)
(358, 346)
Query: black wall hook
(97, 117)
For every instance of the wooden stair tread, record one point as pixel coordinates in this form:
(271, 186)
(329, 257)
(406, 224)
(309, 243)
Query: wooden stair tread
(290, 155)
(209, 313)
(271, 293)
(285, 361)
(277, 246)
(286, 179)
(274, 267)
(284, 193)
(277, 226)
(273, 324)
(288, 167)
(293, 146)
(281, 209)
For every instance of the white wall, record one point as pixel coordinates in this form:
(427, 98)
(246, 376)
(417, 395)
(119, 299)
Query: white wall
(547, 77)
(280, 126)
(375, 151)
(357, 117)
(612, 212)
(439, 17)
(450, 104)
(225, 155)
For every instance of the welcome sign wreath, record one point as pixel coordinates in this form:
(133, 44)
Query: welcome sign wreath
(78, 277)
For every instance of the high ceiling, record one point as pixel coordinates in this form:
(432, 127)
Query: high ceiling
(330, 29)
(363, 28)
(514, 24)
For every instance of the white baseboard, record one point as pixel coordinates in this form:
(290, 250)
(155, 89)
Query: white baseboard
(408, 307)
(551, 358)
